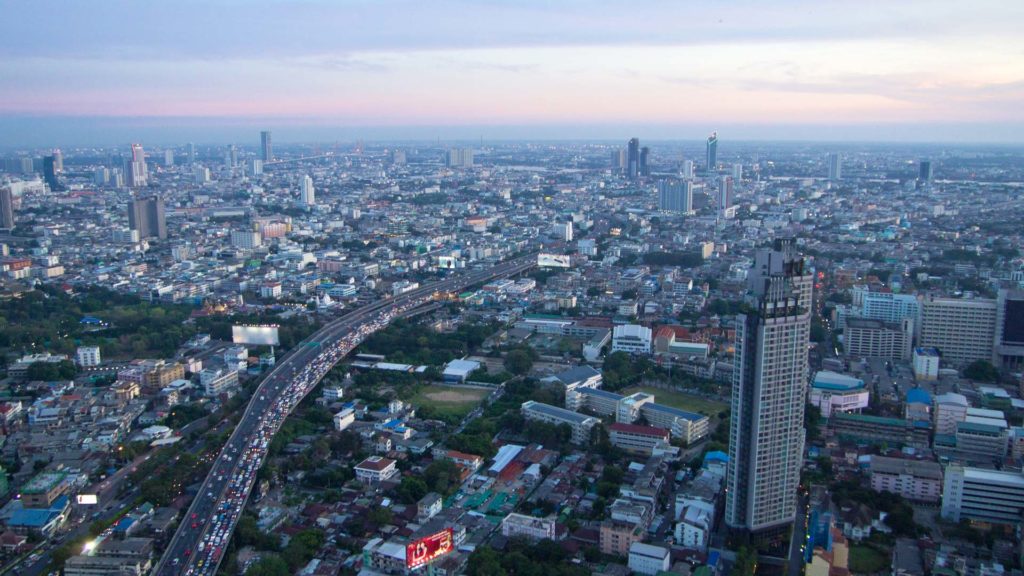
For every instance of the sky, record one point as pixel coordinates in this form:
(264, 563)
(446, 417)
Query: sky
(824, 70)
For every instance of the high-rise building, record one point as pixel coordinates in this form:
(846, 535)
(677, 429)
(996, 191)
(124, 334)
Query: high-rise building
(963, 329)
(633, 158)
(712, 153)
(459, 158)
(725, 196)
(835, 166)
(769, 381)
(619, 161)
(101, 176)
(266, 146)
(924, 171)
(6, 209)
(255, 167)
(737, 172)
(50, 174)
(676, 196)
(1008, 348)
(200, 175)
(58, 161)
(138, 174)
(231, 157)
(687, 169)
(307, 193)
(398, 157)
(169, 157)
(645, 168)
(191, 153)
(147, 216)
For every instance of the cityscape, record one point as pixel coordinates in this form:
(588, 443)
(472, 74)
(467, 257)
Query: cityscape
(384, 339)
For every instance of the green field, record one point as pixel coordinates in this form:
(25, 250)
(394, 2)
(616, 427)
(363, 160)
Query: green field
(867, 560)
(449, 400)
(680, 400)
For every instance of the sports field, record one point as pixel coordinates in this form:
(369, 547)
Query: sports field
(682, 401)
(447, 400)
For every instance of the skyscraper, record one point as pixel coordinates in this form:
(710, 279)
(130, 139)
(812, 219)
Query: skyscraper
(633, 158)
(712, 153)
(6, 209)
(645, 169)
(307, 194)
(58, 161)
(924, 172)
(147, 216)
(169, 157)
(50, 174)
(619, 161)
(459, 158)
(687, 168)
(266, 146)
(191, 153)
(676, 196)
(835, 166)
(138, 174)
(769, 380)
(725, 195)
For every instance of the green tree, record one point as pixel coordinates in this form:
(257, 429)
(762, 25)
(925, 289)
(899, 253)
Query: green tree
(484, 561)
(518, 362)
(746, 562)
(982, 371)
(269, 566)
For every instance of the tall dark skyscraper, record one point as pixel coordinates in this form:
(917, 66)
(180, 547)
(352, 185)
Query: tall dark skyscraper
(147, 216)
(835, 166)
(6, 209)
(645, 169)
(924, 171)
(769, 382)
(712, 153)
(266, 146)
(633, 158)
(50, 174)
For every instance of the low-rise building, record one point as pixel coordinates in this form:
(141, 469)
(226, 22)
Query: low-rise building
(637, 439)
(616, 537)
(529, 527)
(988, 496)
(918, 480)
(926, 363)
(631, 338)
(581, 424)
(376, 469)
(648, 559)
(833, 392)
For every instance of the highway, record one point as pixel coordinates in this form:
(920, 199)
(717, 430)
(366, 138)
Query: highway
(198, 544)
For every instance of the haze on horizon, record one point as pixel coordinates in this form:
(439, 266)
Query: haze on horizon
(93, 72)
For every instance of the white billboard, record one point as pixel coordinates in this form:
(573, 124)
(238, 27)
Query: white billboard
(553, 261)
(255, 335)
(87, 499)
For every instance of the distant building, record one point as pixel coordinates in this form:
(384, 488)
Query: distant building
(1008, 348)
(645, 168)
(868, 338)
(950, 409)
(632, 338)
(6, 209)
(138, 173)
(962, 329)
(217, 381)
(633, 158)
(266, 147)
(711, 155)
(88, 356)
(835, 166)
(926, 363)
(146, 215)
(459, 158)
(459, 370)
(50, 174)
(307, 195)
(924, 171)
(675, 196)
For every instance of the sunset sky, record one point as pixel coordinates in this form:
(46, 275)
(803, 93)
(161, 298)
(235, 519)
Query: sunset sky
(839, 69)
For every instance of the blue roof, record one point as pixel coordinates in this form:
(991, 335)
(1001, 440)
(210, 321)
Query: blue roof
(716, 456)
(32, 517)
(601, 393)
(918, 396)
(124, 523)
(90, 320)
(675, 411)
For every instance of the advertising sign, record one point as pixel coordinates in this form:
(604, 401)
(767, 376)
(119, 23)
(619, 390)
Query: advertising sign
(425, 550)
(255, 335)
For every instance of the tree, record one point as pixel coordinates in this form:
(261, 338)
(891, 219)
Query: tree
(484, 561)
(746, 562)
(269, 566)
(411, 490)
(518, 362)
(982, 371)
(379, 516)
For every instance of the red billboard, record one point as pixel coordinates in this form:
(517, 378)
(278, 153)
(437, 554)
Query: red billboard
(424, 550)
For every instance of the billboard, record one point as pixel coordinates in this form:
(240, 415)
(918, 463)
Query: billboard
(255, 335)
(553, 260)
(425, 550)
(87, 499)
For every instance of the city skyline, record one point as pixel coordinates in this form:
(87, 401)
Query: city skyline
(938, 71)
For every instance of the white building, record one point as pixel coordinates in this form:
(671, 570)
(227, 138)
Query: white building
(950, 409)
(648, 559)
(833, 392)
(693, 530)
(307, 194)
(215, 382)
(926, 363)
(344, 419)
(529, 527)
(88, 356)
(375, 469)
(631, 338)
(982, 495)
(333, 393)
(581, 424)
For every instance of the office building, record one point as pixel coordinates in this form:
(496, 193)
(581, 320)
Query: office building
(924, 171)
(835, 166)
(58, 161)
(191, 153)
(101, 176)
(200, 175)
(962, 329)
(6, 209)
(687, 169)
(50, 174)
(307, 194)
(168, 158)
(147, 216)
(1008, 347)
(138, 173)
(581, 424)
(459, 158)
(645, 168)
(986, 496)
(255, 167)
(633, 158)
(766, 444)
(885, 306)
(619, 161)
(631, 338)
(712, 153)
(676, 196)
(865, 338)
(266, 147)
(917, 480)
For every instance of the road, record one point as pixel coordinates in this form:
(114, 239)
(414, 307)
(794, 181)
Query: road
(198, 545)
